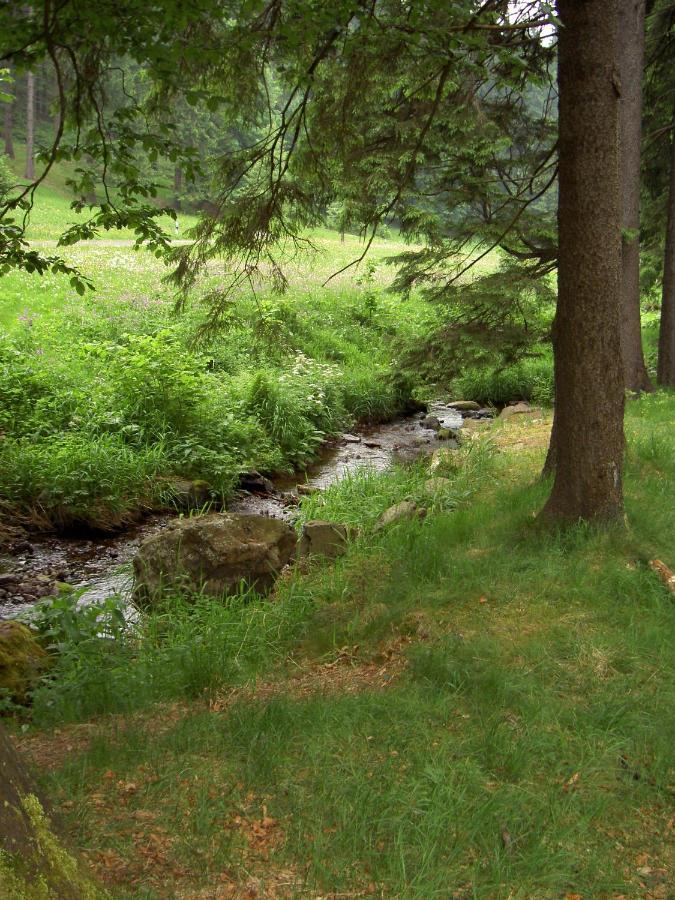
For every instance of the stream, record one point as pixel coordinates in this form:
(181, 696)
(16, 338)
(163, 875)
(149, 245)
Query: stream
(100, 567)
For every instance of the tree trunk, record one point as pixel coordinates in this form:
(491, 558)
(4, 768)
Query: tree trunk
(631, 65)
(177, 185)
(8, 129)
(33, 862)
(665, 372)
(30, 126)
(589, 392)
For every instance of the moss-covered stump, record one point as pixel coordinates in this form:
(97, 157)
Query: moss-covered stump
(34, 862)
(22, 660)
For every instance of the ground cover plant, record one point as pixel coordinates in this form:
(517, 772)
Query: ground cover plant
(112, 382)
(464, 706)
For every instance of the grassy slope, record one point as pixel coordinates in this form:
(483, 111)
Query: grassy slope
(52, 214)
(462, 707)
(76, 372)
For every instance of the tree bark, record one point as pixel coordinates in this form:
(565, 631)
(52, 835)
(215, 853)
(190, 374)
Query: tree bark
(34, 861)
(631, 66)
(8, 128)
(30, 126)
(589, 391)
(665, 371)
(177, 185)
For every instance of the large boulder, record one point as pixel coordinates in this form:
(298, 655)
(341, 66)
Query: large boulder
(214, 554)
(22, 660)
(319, 538)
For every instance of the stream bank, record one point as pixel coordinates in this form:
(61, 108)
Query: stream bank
(99, 567)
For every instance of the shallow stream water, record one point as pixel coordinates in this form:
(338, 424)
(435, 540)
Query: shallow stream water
(101, 566)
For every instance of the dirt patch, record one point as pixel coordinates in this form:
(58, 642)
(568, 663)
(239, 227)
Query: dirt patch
(346, 673)
(523, 434)
(49, 750)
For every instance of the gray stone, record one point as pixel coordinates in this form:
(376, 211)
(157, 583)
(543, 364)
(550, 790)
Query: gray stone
(437, 485)
(214, 554)
(406, 509)
(517, 409)
(467, 405)
(255, 483)
(431, 422)
(351, 438)
(321, 538)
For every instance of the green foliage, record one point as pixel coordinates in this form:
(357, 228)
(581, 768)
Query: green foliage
(468, 700)
(116, 385)
(531, 379)
(77, 478)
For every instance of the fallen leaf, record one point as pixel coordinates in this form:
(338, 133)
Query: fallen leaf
(572, 782)
(144, 815)
(664, 573)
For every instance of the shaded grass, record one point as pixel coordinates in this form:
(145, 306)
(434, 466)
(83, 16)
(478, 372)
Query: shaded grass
(525, 749)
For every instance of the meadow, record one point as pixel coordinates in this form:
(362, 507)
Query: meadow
(109, 395)
(462, 706)
(466, 706)
(106, 394)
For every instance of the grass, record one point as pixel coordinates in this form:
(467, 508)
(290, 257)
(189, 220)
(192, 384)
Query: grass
(118, 372)
(466, 706)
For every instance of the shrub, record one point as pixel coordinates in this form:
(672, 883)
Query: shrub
(77, 479)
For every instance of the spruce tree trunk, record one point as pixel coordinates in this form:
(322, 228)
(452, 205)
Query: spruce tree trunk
(30, 126)
(631, 65)
(34, 862)
(177, 185)
(589, 392)
(665, 372)
(8, 128)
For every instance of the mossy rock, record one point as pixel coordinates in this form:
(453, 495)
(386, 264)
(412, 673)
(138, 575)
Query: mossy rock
(22, 660)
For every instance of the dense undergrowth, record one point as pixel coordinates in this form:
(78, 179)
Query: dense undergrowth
(106, 397)
(463, 706)
(102, 395)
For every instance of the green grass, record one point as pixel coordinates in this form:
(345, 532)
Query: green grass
(465, 706)
(118, 371)
(51, 213)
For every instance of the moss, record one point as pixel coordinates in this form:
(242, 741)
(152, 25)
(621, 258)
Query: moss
(53, 872)
(22, 660)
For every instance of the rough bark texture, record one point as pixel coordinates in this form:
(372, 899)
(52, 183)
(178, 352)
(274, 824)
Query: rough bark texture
(33, 863)
(30, 126)
(631, 64)
(665, 372)
(177, 185)
(8, 128)
(588, 372)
